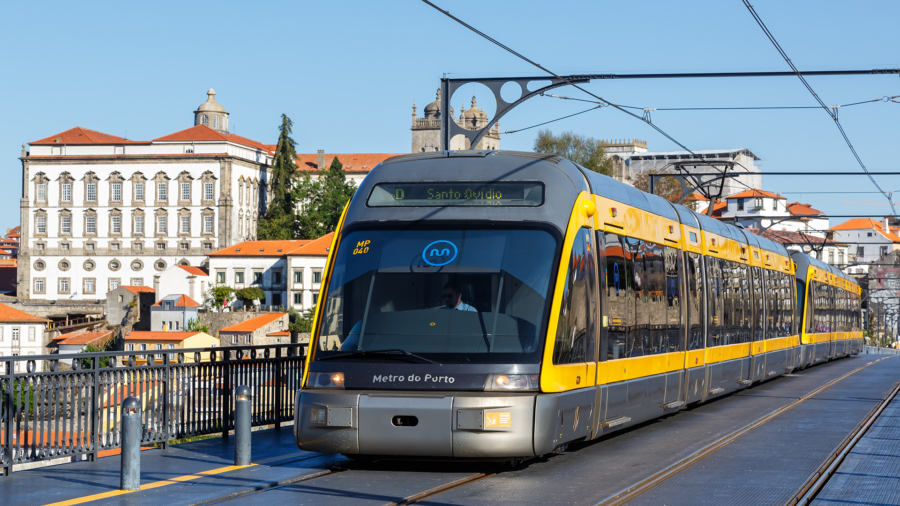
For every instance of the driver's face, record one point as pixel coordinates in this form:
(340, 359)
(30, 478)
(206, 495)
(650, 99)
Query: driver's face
(450, 297)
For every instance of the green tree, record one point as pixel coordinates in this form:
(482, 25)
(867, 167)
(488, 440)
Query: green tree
(104, 361)
(300, 322)
(667, 188)
(249, 294)
(217, 294)
(585, 151)
(278, 223)
(323, 199)
(194, 326)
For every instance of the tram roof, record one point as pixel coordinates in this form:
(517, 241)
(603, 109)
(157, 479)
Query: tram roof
(803, 261)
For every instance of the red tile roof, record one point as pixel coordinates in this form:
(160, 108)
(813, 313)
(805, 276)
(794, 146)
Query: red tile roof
(204, 133)
(146, 335)
(866, 224)
(261, 248)
(8, 262)
(254, 323)
(280, 333)
(138, 289)
(10, 315)
(316, 247)
(196, 271)
(81, 338)
(78, 135)
(183, 301)
(352, 162)
(755, 193)
(798, 209)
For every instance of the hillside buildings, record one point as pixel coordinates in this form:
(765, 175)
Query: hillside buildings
(21, 334)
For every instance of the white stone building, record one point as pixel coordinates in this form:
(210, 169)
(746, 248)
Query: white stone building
(869, 241)
(709, 162)
(22, 334)
(187, 279)
(763, 209)
(99, 211)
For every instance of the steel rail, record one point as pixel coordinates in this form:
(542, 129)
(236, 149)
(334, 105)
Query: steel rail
(428, 494)
(275, 485)
(651, 481)
(811, 488)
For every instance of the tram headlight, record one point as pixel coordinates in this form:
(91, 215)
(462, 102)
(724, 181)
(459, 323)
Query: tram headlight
(516, 382)
(325, 380)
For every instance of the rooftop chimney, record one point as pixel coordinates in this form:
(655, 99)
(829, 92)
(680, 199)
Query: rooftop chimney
(885, 225)
(320, 161)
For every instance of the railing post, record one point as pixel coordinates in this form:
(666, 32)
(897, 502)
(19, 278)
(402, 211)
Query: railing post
(167, 404)
(97, 397)
(226, 391)
(278, 387)
(8, 416)
(130, 478)
(242, 401)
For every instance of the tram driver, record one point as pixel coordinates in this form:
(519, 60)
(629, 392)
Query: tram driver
(452, 297)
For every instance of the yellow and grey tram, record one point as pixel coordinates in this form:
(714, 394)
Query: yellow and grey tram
(492, 304)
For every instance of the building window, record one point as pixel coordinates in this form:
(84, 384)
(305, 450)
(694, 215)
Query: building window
(317, 277)
(831, 257)
(15, 334)
(216, 122)
(39, 285)
(204, 120)
(88, 246)
(63, 285)
(234, 339)
(88, 285)
(257, 278)
(67, 192)
(113, 284)
(298, 277)
(160, 265)
(89, 265)
(137, 282)
(117, 224)
(114, 246)
(159, 347)
(64, 246)
(161, 192)
(860, 253)
(40, 224)
(774, 204)
(207, 224)
(239, 277)
(90, 225)
(65, 225)
(185, 191)
(276, 299)
(220, 278)
(117, 192)
(161, 225)
(758, 204)
(39, 246)
(884, 250)
(185, 224)
(740, 203)
(207, 246)
(315, 299)
(160, 246)
(208, 191)
(130, 347)
(298, 299)
(139, 191)
(42, 192)
(31, 337)
(277, 277)
(137, 246)
(840, 258)
(91, 192)
(138, 224)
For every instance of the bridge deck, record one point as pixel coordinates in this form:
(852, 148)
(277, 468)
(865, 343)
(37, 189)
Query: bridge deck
(764, 466)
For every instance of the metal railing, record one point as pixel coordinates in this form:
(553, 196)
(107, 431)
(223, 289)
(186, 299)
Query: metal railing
(878, 350)
(54, 413)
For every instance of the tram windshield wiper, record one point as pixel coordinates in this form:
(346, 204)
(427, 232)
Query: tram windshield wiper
(396, 354)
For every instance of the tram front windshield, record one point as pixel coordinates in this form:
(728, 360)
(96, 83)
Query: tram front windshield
(451, 296)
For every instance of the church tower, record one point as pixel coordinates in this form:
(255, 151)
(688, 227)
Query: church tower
(426, 132)
(211, 113)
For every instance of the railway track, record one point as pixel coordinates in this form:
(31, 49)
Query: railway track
(807, 491)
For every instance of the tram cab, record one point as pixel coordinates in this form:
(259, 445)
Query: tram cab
(493, 304)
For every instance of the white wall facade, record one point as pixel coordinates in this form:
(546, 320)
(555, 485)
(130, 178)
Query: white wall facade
(176, 280)
(302, 293)
(223, 271)
(22, 339)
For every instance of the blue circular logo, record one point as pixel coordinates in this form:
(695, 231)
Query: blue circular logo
(439, 253)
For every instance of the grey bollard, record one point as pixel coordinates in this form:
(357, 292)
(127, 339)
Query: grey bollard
(131, 444)
(242, 400)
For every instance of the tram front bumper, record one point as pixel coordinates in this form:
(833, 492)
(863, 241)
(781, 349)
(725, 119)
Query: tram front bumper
(415, 423)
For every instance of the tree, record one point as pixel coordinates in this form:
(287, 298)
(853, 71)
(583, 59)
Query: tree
(584, 151)
(249, 294)
(667, 188)
(194, 326)
(216, 295)
(300, 322)
(104, 361)
(278, 223)
(323, 199)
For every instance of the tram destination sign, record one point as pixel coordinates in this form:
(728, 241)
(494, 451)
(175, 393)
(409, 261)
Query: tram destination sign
(507, 194)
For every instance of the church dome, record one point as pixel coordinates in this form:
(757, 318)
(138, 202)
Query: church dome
(433, 110)
(474, 117)
(211, 105)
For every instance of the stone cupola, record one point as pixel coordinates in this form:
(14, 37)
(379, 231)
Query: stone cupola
(211, 113)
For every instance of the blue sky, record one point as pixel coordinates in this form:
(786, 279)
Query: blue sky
(348, 72)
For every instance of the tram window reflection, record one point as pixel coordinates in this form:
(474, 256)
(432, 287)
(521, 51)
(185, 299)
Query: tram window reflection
(618, 285)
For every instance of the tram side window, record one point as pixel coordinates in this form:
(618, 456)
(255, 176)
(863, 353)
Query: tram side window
(714, 306)
(695, 304)
(618, 285)
(759, 309)
(771, 303)
(811, 308)
(656, 284)
(673, 298)
(574, 336)
(747, 300)
(638, 342)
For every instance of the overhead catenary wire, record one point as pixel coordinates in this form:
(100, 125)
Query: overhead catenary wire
(551, 121)
(885, 98)
(831, 111)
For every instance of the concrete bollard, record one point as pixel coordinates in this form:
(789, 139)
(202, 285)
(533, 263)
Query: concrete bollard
(242, 401)
(131, 444)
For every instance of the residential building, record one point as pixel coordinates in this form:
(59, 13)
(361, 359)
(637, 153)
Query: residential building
(99, 211)
(173, 312)
(155, 344)
(762, 209)
(869, 240)
(255, 331)
(22, 334)
(130, 305)
(828, 251)
(306, 267)
(187, 279)
(75, 342)
(708, 163)
(284, 337)
(426, 131)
